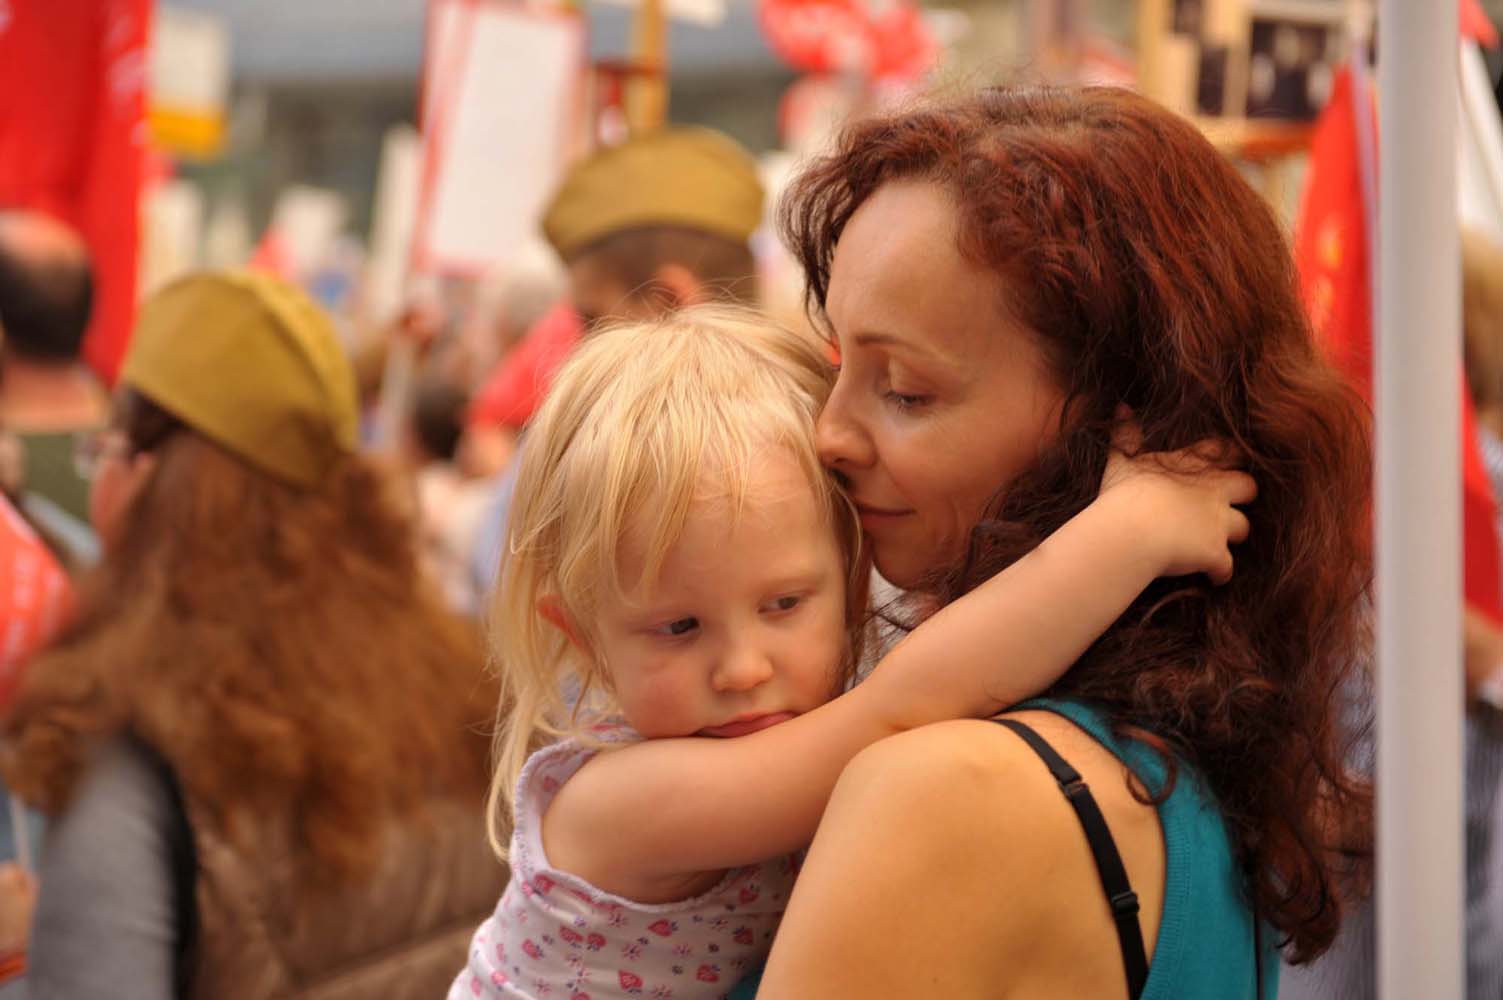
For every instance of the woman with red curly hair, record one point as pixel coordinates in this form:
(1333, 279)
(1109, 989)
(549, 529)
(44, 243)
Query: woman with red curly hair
(260, 742)
(1006, 276)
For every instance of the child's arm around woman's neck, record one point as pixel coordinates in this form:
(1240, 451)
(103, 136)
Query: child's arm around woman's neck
(654, 820)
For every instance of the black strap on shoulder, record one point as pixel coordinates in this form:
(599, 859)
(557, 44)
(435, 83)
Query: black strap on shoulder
(1257, 953)
(1119, 894)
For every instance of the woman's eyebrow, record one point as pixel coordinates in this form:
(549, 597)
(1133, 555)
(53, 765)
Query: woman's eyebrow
(920, 349)
(874, 338)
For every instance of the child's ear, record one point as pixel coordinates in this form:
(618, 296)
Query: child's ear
(553, 613)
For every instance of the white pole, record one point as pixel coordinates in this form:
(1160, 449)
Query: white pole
(1418, 507)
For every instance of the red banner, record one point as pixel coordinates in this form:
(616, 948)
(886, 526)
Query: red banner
(72, 133)
(1331, 251)
(34, 597)
(847, 36)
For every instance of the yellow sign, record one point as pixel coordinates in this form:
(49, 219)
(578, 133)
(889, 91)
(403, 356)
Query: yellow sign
(190, 82)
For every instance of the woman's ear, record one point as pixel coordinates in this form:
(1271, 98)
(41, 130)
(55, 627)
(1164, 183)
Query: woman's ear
(554, 614)
(139, 468)
(117, 487)
(677, 286)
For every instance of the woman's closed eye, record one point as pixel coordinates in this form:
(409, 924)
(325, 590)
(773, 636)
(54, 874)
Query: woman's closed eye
(901, 391)
(905, 400)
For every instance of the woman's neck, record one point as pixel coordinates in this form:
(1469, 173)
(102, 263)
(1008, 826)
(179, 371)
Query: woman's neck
(41, 396)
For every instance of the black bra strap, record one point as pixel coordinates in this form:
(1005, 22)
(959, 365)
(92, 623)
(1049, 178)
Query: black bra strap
(1119, 894)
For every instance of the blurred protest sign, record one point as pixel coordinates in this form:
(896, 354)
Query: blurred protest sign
(305, 223)
(190, 81)
(392, 220)
(501, 103)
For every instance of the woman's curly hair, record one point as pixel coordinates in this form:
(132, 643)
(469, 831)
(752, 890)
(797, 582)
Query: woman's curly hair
(275, 646)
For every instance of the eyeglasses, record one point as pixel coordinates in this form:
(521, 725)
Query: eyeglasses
(92, 448)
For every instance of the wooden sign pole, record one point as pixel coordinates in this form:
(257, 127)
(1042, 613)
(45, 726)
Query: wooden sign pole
(647, 95)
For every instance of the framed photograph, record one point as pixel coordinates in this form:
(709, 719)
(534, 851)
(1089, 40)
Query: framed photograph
(1270, 60)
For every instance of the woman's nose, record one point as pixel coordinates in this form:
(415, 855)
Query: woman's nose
(840, 439)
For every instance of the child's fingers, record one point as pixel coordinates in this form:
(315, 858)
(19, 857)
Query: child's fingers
(1218, 453)
(1238, 527)
(1221, 572)
(1208, 454)
(1239, 487)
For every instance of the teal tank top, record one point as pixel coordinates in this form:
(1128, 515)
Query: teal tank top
(1205, 944)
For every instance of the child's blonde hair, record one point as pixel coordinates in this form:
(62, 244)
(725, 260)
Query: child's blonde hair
(633, 426)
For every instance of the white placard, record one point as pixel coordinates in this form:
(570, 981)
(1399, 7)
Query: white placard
(398, 184)
(307, 220)
(190, 61)
(500, 99)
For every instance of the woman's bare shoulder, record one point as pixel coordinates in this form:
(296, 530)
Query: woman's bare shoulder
(954, 776)
(970, 766)
(962, 818)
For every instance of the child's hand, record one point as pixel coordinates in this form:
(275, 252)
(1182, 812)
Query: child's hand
(1182, 502)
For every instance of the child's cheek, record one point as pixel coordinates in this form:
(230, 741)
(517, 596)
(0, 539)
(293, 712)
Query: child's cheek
(660, 702)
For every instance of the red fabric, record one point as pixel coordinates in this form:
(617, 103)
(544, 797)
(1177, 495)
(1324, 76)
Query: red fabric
(1330, 242)
(1331, 252)
(72, 133)
(516, 387)
(1476, 25)
(272, 257)
(34, 597)
(838, 36)
(1479, 524)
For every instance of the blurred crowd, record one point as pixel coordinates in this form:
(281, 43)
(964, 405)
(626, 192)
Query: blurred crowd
(246, 703)
(255, 743)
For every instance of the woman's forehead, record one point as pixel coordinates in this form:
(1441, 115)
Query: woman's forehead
(899, 281)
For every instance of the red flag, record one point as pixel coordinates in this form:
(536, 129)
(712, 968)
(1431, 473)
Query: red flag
(1331, 252)
(882, 41)
(34, 597)
(72, 131)
(1330, 241)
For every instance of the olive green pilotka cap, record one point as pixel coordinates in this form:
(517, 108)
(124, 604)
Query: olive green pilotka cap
(252, 364)
(691, 177)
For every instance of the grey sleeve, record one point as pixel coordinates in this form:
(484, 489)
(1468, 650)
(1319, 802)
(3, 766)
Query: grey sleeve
(106, 921)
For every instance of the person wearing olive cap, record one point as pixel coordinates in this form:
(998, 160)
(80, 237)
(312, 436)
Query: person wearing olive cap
(661, 221)
(258, 740)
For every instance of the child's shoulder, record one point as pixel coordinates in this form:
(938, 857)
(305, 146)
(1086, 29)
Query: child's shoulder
(551, 766)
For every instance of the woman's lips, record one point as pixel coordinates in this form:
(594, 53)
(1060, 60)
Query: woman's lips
(746, 725)
(871, 515)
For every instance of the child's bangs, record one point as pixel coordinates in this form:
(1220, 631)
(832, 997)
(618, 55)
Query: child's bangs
(703, 448)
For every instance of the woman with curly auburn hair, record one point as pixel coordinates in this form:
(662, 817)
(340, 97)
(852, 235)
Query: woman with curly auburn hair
(261, 741)
(1009, 277)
